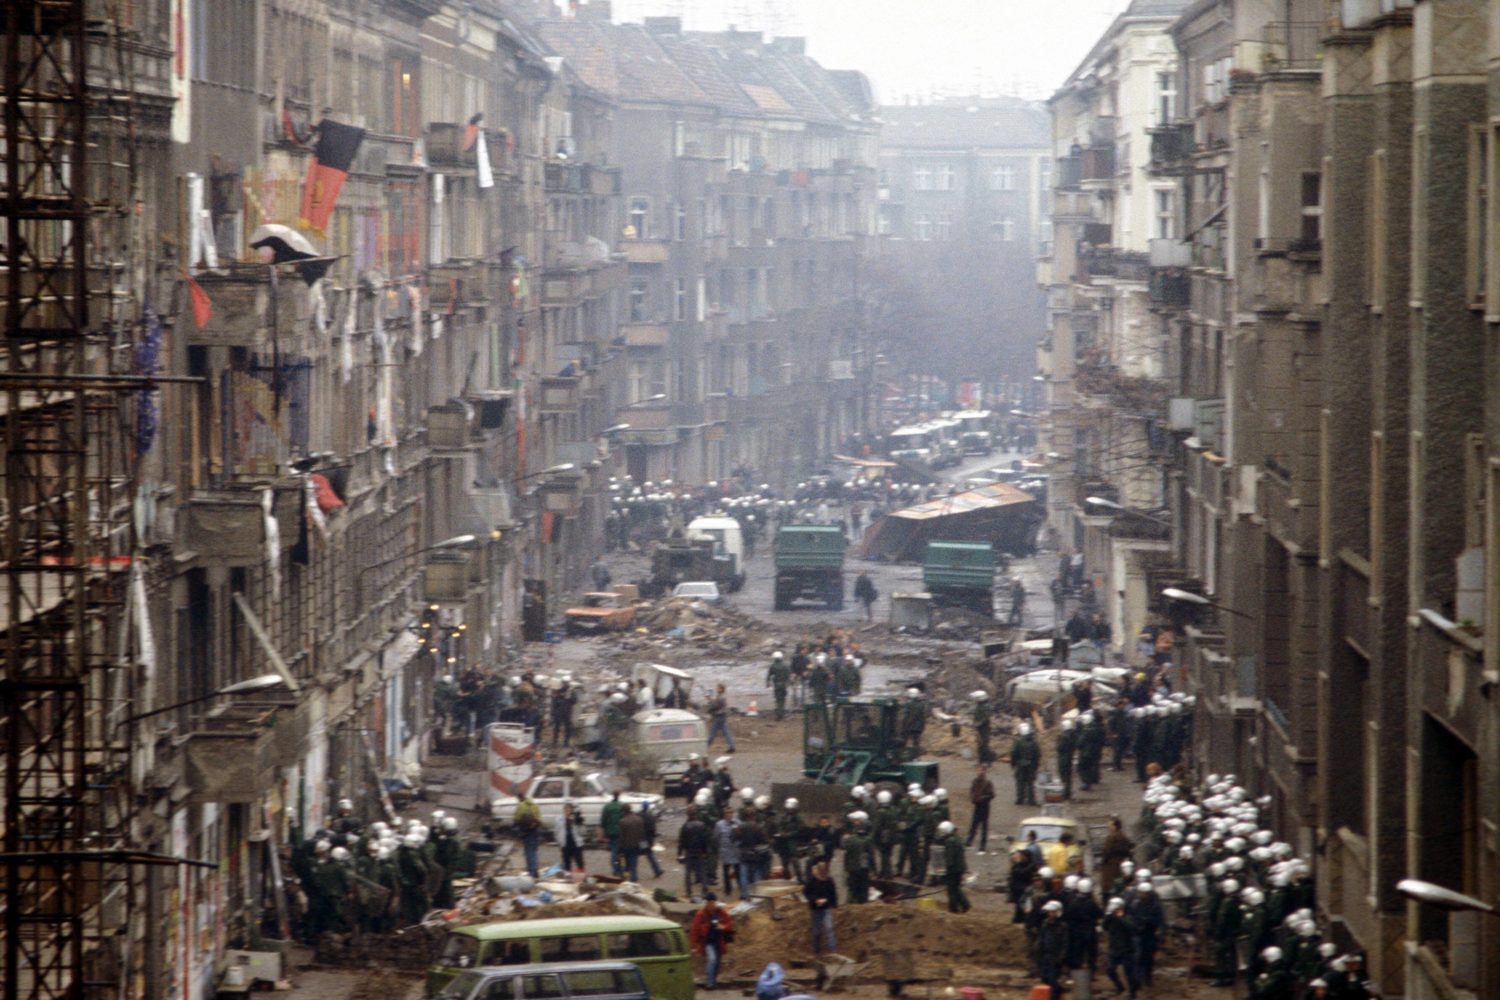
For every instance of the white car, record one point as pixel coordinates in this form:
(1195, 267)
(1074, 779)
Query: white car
(550, 791)
(698, 590)
(1041, 686)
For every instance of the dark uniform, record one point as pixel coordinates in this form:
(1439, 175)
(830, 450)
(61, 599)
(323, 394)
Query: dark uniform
(954, 870)
(1067, 746)
(1025, 756)
(858, 859)
(778, 677)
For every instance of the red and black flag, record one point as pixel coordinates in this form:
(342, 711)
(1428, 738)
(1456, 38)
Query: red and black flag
(471, 131)
(333, 156)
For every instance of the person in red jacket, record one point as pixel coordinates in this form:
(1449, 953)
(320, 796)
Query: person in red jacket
(710, 933)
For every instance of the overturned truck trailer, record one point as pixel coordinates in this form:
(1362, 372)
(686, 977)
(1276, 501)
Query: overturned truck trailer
(1000, 514)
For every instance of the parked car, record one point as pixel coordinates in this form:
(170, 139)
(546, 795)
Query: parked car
(698, 590)
(550, 791)
(1040, 687)
(601, 611)
(552, 980)
(1049, 831)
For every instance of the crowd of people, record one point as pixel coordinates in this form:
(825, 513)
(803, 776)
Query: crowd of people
(353, 878)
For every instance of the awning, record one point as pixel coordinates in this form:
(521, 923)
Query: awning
(984, 498)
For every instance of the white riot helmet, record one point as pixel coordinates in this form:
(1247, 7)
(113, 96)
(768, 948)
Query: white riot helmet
(340, 854)
(450, 823)
(940, 794)
(1271, 955)
(763, 802)
(1086, 886)
(980, 695)
(945, 828)
(702, 797)
(1046, 872)
(913, 694)
(747, 793)
(1070, 883)
(927, 800)
(883, 797)
(346, 805)
(790, 805)
(777, 655)
(1024, 729)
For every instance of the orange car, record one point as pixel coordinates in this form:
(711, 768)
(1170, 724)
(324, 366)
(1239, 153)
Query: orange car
(600, 612)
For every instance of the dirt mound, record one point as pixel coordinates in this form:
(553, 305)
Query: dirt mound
(939, 943)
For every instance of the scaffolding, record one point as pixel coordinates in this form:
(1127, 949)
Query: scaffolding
(69, 394)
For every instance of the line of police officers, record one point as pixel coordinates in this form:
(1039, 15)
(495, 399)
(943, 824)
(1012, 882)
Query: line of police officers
(377, 878)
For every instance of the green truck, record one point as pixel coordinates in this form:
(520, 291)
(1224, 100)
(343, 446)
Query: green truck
(810, 565)
(961, 574)
(856, 741)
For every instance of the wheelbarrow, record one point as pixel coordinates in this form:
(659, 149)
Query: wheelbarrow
(832, 968)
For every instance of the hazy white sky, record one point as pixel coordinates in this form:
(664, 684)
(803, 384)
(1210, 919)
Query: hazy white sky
(916, 48)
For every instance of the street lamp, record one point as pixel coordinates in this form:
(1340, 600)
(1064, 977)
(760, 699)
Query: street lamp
(649, 399)
(260, 683)
(1112, 505)
(554, 470)
(1188, 597)
(1443, 899)
(617, 428)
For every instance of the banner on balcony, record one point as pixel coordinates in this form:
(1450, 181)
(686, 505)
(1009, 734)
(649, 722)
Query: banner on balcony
(332, 157)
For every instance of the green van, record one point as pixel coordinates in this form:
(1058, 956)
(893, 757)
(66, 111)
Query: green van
(659, 948)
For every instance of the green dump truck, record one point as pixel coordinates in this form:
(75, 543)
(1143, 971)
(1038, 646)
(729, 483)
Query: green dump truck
(810, 565)
(961, 574)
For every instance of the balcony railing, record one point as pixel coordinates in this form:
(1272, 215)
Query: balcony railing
(1098, 163)
(1293, 45)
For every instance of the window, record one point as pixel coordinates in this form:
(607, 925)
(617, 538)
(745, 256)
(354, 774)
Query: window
(1166, 98)
(1478, 210)
(679, 222)
(923, 228)
(601, 983)
(946, 178)
(921, 178)
(579, 948)
(639, 289)
(1311, 231)
(1375, 212)
(883, 223)
(460, 951)
(679, 300)
(641, 944)
(546, 987)
(1003, 229)
(701, 304)
(1044, 173)
(1166, 214)
(1003, 178)
(640, 217)
(942, 227)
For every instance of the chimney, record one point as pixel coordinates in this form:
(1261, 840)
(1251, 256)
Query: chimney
(664, 25)
(596, 10)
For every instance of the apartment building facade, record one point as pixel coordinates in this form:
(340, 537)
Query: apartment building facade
(748, 180)
(965, 192)
(1333, 450)
(1108, 360)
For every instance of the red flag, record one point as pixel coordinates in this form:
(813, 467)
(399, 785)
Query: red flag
(203, 306)
(333, 156)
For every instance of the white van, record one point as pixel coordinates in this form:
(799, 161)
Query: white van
(728, 539)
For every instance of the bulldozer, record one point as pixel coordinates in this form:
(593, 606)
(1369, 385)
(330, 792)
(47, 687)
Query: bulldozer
(854, 741)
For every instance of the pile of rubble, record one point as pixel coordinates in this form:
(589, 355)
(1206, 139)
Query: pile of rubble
(556, 894)
(684, 620)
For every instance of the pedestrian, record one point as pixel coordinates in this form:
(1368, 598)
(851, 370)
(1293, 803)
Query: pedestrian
(718, 718)
(600, 572)
(790, 834)
(799, 675)
(822, 896)
(1025, 756)
(711, 932)
(1067, 746)
(982, 719)
(1082, 913)
(529, 823)
(754, 845)
(981, 794)
(1017, 601)
(1117, 849)
(1018, 882)
(632, 840)
(1119, 933)
(1148, 917)
(778, 677)
(609, 822)
(818, 679)
(865, 593)
(569, 832)
(728, 850)
(885, 830)
(954, 867)
(563, 700)
(858, 857)
(692, 853)
(1051, 949)
(648, 816)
